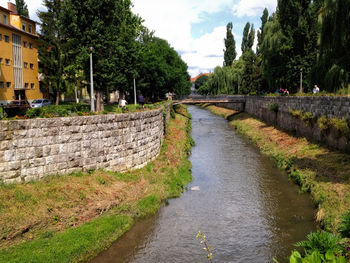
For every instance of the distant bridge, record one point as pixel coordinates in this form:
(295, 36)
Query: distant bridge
(235, 102)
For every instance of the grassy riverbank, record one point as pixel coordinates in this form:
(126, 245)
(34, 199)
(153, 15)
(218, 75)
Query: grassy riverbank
(71, 218)
(324, 173)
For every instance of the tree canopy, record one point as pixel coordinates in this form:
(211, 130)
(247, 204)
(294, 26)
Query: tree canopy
(230, 46)
(22, 8)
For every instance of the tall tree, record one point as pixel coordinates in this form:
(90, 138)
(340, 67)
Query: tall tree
(245, 39)
(22, 8)
(230, 46)
(333, 67)
(260, 33)
(161, 70)
(111, 29)
(52, 48)
(251, 38)
(298, 22)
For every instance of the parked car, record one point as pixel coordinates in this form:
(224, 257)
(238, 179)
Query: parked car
(22, 104)
(40, 103)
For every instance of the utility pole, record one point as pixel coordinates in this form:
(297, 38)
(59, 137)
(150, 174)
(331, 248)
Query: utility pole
(135, 91)
(91, 82)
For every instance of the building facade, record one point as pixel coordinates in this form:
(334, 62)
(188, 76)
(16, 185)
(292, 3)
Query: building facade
(19, 78)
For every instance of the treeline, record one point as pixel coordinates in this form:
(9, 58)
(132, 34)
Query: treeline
(122, 49)
(302, 39)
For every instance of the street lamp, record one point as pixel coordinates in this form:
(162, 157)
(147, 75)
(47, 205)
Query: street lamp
(91, 82)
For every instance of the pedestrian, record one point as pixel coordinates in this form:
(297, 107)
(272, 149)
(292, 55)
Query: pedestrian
(286, 92)
(123, 103)
(141, 101)
(316, 89)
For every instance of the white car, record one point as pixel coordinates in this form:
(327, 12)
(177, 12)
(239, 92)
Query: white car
(40, 103)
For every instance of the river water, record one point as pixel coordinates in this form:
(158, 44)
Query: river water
(247, 208)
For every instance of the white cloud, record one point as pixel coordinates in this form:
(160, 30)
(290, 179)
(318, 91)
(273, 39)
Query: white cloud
(207, 52)
(172, 20)
(253, 7)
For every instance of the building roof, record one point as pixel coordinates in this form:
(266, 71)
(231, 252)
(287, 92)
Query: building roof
(11, 27)
(202, 74)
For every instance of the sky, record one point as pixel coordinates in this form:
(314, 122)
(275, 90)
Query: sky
(194, 28)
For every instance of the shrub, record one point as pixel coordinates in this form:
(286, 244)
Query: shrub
(323, 123)
(341, 125)
(3, 114)
(273, 107)
(322, 242)
(296, 113)
(344, 228)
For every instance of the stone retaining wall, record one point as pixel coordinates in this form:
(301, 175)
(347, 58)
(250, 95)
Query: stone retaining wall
(332, 107)
(33, 149)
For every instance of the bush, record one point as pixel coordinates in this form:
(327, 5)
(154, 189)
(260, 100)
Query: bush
(322, 242)
(344, 228)
(273, 107)
(323, 123)
(58, 111)
(3, 114)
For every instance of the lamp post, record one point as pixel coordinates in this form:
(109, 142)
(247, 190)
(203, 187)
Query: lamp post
(301, 81)
(135, 92)
(91, 82)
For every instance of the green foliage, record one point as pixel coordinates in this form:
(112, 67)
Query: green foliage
(273, 107)
(322, 242)
(161, 70)
(316, 257)
(22, 8)
(58, 111)
(307, 117)
(230, 47)
(333, 65)
(341, 125)
(3, 114)
(344, 228)
(324, 123)
(200, 81)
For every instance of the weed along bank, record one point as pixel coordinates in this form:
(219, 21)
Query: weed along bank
(79, 214)
(35, 148)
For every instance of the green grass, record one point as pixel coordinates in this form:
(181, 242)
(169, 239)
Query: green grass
(53, 197)
(72, 245)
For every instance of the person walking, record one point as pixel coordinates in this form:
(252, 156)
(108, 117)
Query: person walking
(141, 101)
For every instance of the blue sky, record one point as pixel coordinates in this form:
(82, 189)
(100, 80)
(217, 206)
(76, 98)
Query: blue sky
(195, 28)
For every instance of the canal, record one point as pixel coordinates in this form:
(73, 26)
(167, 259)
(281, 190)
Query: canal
(247, 208)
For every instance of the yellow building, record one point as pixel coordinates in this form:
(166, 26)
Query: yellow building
(18, 57)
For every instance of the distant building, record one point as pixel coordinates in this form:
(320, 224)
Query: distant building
(18, 57)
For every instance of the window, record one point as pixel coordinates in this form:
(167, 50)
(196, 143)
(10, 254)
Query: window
(7, 62)
(5, 19)
(31, 66)
(30, 28)
(0, 60)
(24, 43)
(30, 45)
(1, 85)
(0, 37)
(8, 84)
(6, 38)
(25, 65)
(32, 85)
(24, 26)
(26, 85)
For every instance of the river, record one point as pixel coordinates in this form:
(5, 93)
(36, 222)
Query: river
(247, 208)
